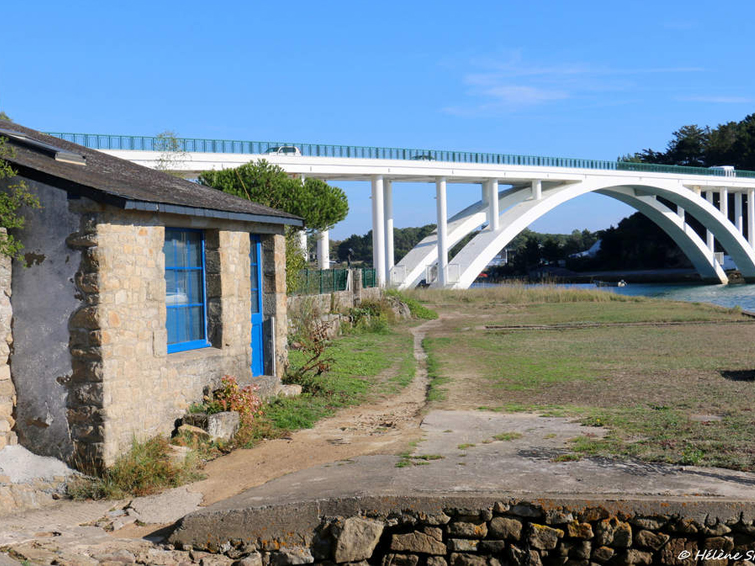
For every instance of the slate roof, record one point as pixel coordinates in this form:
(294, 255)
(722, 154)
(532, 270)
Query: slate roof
(127, 185)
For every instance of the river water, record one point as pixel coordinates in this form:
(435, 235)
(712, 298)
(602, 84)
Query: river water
(722, 295)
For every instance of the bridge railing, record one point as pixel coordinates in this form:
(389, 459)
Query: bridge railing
(199, 145)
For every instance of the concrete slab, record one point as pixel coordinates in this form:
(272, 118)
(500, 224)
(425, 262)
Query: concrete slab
(491, 470)
(166, 507)
(22, 466)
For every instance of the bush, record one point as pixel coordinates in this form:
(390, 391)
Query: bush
(417, 309)
(146, 469)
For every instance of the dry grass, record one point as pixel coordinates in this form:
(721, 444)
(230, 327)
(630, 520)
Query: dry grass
(663, 391)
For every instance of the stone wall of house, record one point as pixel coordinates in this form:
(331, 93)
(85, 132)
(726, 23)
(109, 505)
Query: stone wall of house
(587, 533)
(7, 390)
(125, 384)
(44, 298)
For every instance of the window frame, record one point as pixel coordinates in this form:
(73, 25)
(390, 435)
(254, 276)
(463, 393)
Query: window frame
(203, 342)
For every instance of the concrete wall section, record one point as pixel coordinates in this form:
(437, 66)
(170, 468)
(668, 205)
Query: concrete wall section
(44, 298)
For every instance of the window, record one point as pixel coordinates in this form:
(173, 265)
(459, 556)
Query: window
(185, 289)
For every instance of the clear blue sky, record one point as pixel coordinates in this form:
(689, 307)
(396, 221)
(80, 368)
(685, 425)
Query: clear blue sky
(577, 78)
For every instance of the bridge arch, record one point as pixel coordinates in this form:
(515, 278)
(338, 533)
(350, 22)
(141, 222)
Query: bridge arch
(473, 258)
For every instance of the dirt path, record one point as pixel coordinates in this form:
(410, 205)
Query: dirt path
(384, 426)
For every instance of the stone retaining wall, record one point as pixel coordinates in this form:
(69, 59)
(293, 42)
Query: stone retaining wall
(332, 303)
(505, 532)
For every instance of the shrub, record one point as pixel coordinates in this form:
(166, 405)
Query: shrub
(146, 469)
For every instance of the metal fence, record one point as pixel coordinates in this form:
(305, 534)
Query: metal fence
(157, 143)
(322, 281)
(369, 279)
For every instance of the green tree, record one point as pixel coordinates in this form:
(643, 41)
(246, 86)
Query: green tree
(4, 116)
(14, 194)
(319, 204)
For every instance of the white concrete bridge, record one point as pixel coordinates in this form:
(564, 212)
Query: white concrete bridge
(515, 191)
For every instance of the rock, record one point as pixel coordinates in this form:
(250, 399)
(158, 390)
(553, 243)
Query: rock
(543, 537)
(290, 390)
(725, 544)
(434, 519)
(468, 530)
(575, 529)
(612, 532)
(670, 553)
(463, 545)
(436, 561)
(6, 560)
(717, 530)
(254, 559)
(686, 527)
(603, 554)
(652, 540)
(166, 507)
(526, 510)
(291, 556)
(223, 426)
(505, 528)
(649, 523)
(215, 560)
(522, 557)
(434, 532)
(634, 556)
(356, 539)
(580, 549)
(491, 546)
(400, 560)
(417, 542)
(557, 517)
(194, 431)
(467, 560)
(178, 454)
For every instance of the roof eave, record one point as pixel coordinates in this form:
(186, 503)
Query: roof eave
(210, 213)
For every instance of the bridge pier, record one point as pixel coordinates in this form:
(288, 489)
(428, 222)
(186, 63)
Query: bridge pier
(537, 189)
(751, 217)
(709, 239)
(441, 209)
(738, 212)
(493, 211)
(378, 229)
(303, 244)
(323, 249)
(388, 204)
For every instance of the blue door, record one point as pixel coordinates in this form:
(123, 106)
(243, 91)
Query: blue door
(255, 260)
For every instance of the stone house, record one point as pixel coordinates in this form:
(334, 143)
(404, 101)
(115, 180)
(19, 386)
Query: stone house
(139, 291)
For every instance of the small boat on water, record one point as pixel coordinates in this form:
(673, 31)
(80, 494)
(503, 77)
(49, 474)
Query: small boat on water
(620, 283)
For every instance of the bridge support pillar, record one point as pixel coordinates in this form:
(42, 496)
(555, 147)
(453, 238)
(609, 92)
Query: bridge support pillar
(537, 189)
(485, 199)
(323, 249)
(493, 211)
(388, 202)
(709, 239)
(378, 229)
(441, 208)
(680, 212)
(738, 212)
(723, 201)
(751, 217)
(303, 244)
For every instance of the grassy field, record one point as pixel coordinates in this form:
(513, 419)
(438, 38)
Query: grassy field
(681, 393)
(364, 365)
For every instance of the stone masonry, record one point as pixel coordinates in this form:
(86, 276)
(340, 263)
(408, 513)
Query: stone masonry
(7, 391)
(508, 532)
(124, 385)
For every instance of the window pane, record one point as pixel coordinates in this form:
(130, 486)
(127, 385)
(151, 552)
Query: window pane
(196, 323)
(194, 249)
(255, 302)
(172, 324)
(253, 252)
(168, 247)
(194, 291)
